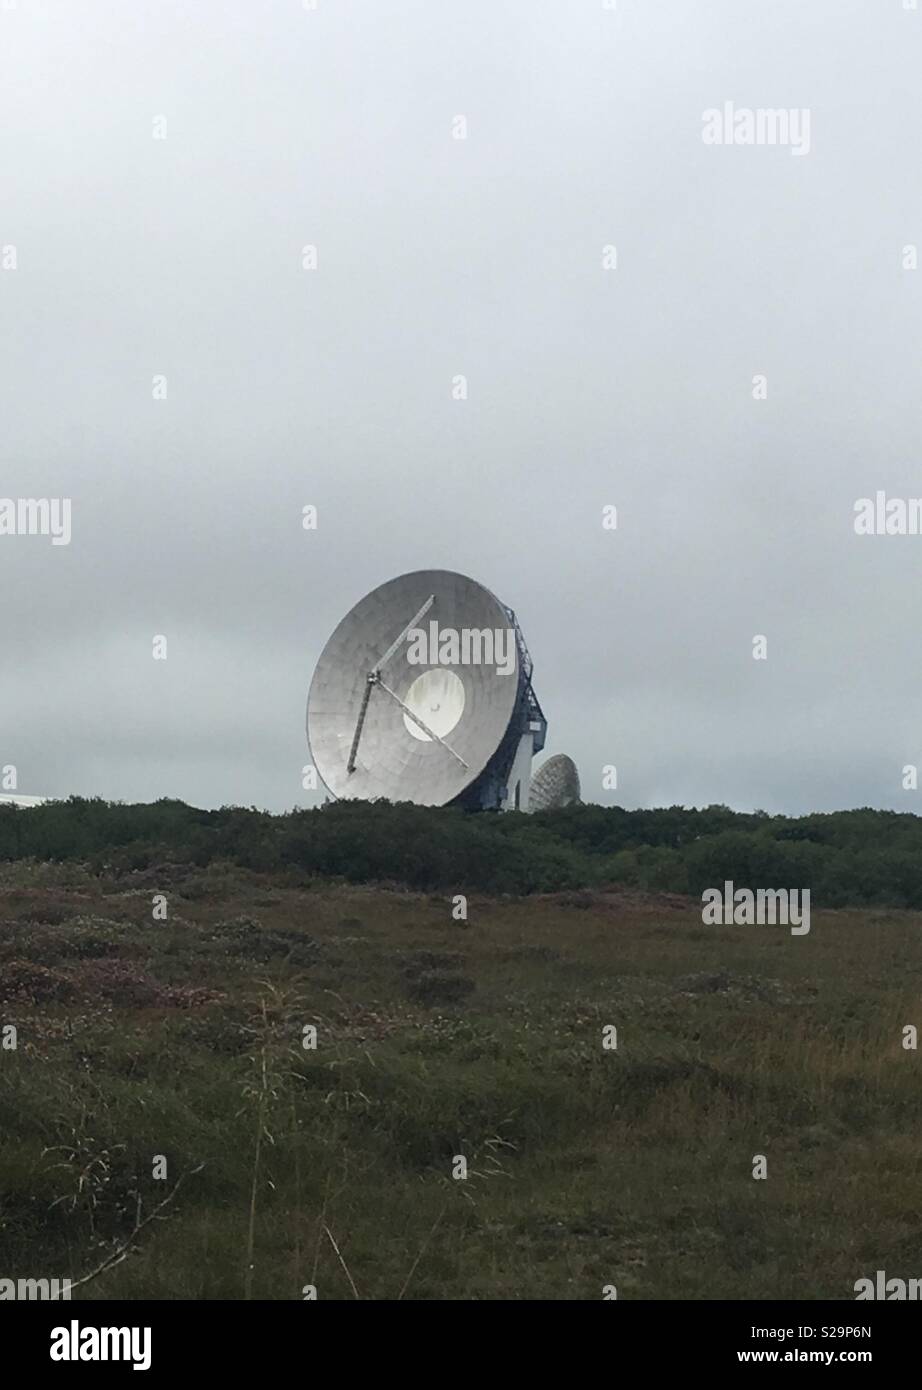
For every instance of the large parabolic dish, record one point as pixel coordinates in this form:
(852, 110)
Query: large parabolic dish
(555, 784)
(383, 723)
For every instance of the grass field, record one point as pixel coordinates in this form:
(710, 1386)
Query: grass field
(436, 1038)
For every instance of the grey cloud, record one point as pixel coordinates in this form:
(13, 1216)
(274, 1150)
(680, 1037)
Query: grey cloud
(182, 257)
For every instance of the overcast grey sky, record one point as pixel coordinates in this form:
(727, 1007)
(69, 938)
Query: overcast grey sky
(182, 257)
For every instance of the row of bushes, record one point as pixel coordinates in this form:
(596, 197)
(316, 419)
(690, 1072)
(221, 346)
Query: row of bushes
(846, 857)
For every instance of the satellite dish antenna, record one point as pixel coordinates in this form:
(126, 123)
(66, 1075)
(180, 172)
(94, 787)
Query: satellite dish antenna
(423, 693)
(556, 783)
